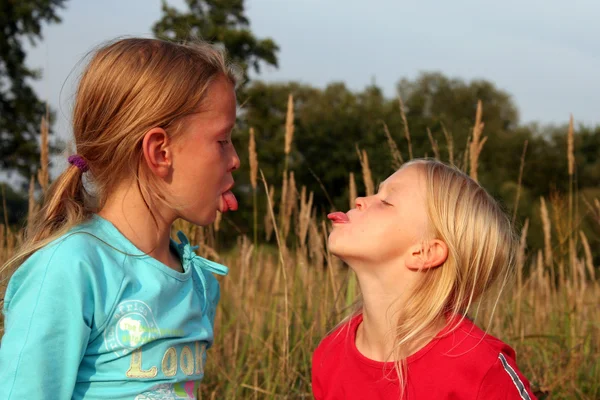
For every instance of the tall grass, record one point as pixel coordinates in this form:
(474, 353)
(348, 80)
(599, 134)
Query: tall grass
(280, 300)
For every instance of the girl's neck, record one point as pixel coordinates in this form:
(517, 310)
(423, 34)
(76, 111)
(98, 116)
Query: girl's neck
(375, 336)
(128, 212)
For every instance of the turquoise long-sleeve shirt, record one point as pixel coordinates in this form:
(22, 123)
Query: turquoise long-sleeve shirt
(91, 317)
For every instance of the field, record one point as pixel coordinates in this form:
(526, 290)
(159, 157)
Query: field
(283, 296)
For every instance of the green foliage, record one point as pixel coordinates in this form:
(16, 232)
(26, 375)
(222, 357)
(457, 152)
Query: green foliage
(330, 122)
(16, 206)
(219, 21)
(20, 109)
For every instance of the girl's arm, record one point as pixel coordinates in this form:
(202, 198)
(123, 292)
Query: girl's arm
(47, 326)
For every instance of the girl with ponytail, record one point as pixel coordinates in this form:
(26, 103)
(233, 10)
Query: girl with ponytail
(103, 304)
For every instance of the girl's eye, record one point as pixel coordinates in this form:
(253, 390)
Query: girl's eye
(386, 203)
(223, 142)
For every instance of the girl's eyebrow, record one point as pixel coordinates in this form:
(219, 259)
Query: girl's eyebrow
(383, 186)
(228, 128)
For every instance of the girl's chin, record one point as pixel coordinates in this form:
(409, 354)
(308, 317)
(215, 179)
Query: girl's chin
(337, 247)
(201, 218)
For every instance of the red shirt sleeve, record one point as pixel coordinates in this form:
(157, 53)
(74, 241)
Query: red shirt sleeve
(504, 381)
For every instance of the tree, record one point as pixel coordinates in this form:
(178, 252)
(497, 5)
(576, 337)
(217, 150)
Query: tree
(20, 109)
(437, 102)
(222, 22)
(331, 122)
(16, 206)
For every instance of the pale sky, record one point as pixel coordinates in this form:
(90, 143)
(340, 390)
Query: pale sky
(545, 53)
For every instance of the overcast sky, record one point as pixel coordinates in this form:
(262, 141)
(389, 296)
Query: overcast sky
(545, 53)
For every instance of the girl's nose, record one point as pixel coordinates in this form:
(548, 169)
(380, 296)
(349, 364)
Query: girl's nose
(360, 202)
(235, 162)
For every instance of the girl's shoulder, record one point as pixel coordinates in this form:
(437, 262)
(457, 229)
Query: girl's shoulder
(79, 257)
(468, 336)
(492, 361)
(87, 242)
(465, 343)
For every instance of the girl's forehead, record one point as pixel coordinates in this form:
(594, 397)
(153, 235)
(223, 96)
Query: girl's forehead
(410, 174)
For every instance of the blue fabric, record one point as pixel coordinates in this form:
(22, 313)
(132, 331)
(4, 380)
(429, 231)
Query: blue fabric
(91, 317)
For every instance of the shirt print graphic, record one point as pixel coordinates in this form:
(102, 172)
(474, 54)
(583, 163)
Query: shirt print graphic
(170, 391)
(131, 326)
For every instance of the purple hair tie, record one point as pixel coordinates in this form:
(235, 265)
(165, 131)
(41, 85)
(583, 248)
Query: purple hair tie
(79, 162)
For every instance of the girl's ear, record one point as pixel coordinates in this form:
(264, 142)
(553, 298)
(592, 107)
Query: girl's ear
(428, 254)
(157, 152)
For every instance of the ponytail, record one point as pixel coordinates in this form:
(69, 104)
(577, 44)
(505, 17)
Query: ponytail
(64, 207)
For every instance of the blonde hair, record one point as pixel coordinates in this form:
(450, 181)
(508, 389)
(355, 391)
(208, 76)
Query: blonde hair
(481, 249)
(129, 87)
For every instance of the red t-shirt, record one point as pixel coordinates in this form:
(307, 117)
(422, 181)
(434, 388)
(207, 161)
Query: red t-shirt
(464, 364)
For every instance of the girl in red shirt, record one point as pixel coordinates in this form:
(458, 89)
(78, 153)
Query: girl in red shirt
(428, 245)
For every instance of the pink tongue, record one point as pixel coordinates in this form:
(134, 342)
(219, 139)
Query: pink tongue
(339, 217)
(230, 200)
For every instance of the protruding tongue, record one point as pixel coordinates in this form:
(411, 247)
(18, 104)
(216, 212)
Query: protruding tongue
(338, 217)
(230, 200)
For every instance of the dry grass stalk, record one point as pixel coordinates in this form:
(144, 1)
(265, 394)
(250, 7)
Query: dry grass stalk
(284, 198)
(253, 159)
(2, 244)
(289, 125)
(217, 223)
(477, 143)
(290, 205)
(589, 263)
(547, 232)
(582, 283)
(4, 207)
(330, 263)
(571, 169)
(449, 143)
(304, 215)
(315, 244)
(570, 147)
(397, 160)
(268, 222)
(465, 162)
(197, 235)
(434, 145)
(558, 216)
(289, 136)
(246, 248)
(352, 191)
(4, 273)
(594, 209)
(366, 170)
(405, 123)
(43, 175)
(286, 341)
(11, 240)
(540, 267)
(31, 207)
(520, 261)
(541, 287)
(573, 262)
(519, 182)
